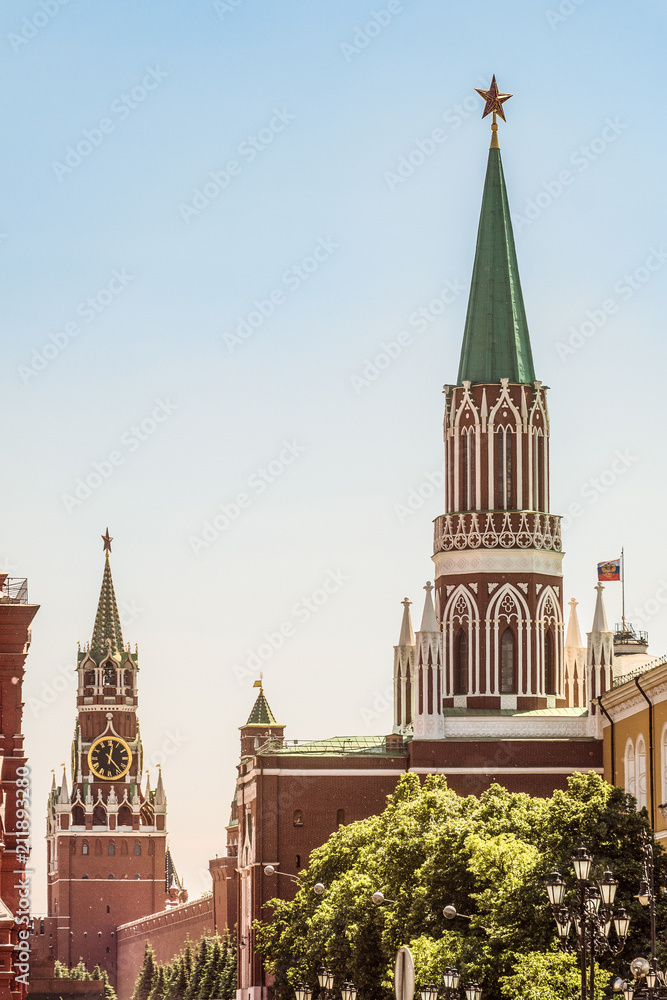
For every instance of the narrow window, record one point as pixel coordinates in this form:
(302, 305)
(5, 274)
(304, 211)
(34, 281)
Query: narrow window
(108, 908)
(112, 847)
(298, 861)
(549, 663)
(408, 700)
(461, 659)
(468, 471)
(109, 676)
(508, 672)
(421, 691)
(536, 472)
(340, 817)
(298, 818)
(84, 847)
(137, 876)
(430, 689)
(137, 850)
(504, 468)
(109, 876)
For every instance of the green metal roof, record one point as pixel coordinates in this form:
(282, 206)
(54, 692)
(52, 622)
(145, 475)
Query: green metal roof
(107, 619)
(261, 714)
(341, 746)
(496, 343)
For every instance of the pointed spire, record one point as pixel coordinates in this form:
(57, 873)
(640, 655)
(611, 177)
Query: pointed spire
(261, 714)
(407, 636)
(53, 782)
(496, 343)
(63, 798)
(107, 631)
(147, 793)
(429, 621)
(573, 639)
(160, 797)
(600, 617)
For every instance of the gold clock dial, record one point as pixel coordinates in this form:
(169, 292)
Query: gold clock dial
(109, 758)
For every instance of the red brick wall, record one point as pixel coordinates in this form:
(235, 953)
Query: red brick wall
(167, 932)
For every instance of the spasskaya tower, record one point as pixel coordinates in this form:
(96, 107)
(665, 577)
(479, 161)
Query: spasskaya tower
(106, 838)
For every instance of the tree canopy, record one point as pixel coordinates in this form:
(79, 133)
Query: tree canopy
(486, 855)
(209, 975)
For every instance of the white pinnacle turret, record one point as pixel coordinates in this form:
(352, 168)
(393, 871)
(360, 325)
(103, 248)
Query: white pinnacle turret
(404, 675)
(407, 636)
(575, 662)
(429, 622)
(600, 653)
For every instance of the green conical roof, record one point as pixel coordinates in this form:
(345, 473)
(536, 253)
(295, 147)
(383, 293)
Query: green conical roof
(261, 714)
(107, 619)
(496, 343)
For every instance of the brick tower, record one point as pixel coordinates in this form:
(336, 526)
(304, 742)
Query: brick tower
(16, 615)
(106, 839)
(497, 549)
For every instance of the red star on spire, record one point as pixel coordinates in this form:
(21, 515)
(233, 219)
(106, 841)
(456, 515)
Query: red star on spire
(107, 539)
(494, 99)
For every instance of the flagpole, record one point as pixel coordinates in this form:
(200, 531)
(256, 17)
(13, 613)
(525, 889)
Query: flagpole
(623, 587)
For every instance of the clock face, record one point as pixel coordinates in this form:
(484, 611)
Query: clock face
(109, 758)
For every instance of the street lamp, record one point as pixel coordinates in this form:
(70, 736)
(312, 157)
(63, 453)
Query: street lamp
(303, 991)
(326, 979)
(451, 978)
(640, 968)
(592, 918)
(349, 991)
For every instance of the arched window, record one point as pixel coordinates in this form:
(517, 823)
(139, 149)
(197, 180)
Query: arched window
(128, 679)
(78, 818)
(298, 818)
(99, 816)
(84, 876)
(112, 848)
(630, 777)
(507, 663)
(429, 692)
(90, 678)
(504, 468)
(84, 847)
(340, 817)
(549, 663)
(640, 762)
(109, 676)
(461, 661)
(468, 470)
(408, 700)
(137, 850)
(536, 472)
(108, 876)
(124, 816)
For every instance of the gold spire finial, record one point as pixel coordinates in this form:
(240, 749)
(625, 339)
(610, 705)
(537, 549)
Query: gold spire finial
(107, 539)
(493, 103)
(258, 684)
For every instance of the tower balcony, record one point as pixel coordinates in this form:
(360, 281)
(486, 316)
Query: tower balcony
(497, 529)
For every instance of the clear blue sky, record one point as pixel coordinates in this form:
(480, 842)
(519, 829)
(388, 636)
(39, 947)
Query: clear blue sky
(114, 115)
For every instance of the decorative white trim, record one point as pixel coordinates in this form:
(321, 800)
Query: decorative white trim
(505, 561)
(504, 770)
(517, 727)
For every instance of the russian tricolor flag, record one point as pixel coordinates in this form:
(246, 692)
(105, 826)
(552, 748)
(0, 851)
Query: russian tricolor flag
(610, 570)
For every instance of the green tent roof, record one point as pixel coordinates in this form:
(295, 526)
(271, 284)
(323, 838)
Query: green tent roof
(496, 343)
(107, 619)
(261, 714)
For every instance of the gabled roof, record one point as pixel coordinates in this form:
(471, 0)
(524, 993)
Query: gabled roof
(496, 343)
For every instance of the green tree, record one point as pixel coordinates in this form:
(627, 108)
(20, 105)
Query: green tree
(198, 969)
(212, 970)
(550, 976)
(146, 978)
(228, 983)
(157, 990)
(487, 855)
(177, 982)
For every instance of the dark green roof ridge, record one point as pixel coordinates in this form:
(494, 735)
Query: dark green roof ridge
(496, 343)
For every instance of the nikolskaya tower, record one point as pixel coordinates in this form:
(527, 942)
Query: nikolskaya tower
(489, 658)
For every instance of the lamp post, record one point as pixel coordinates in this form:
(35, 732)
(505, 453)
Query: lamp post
(451, 979)
(646, 973)
(592, 918)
